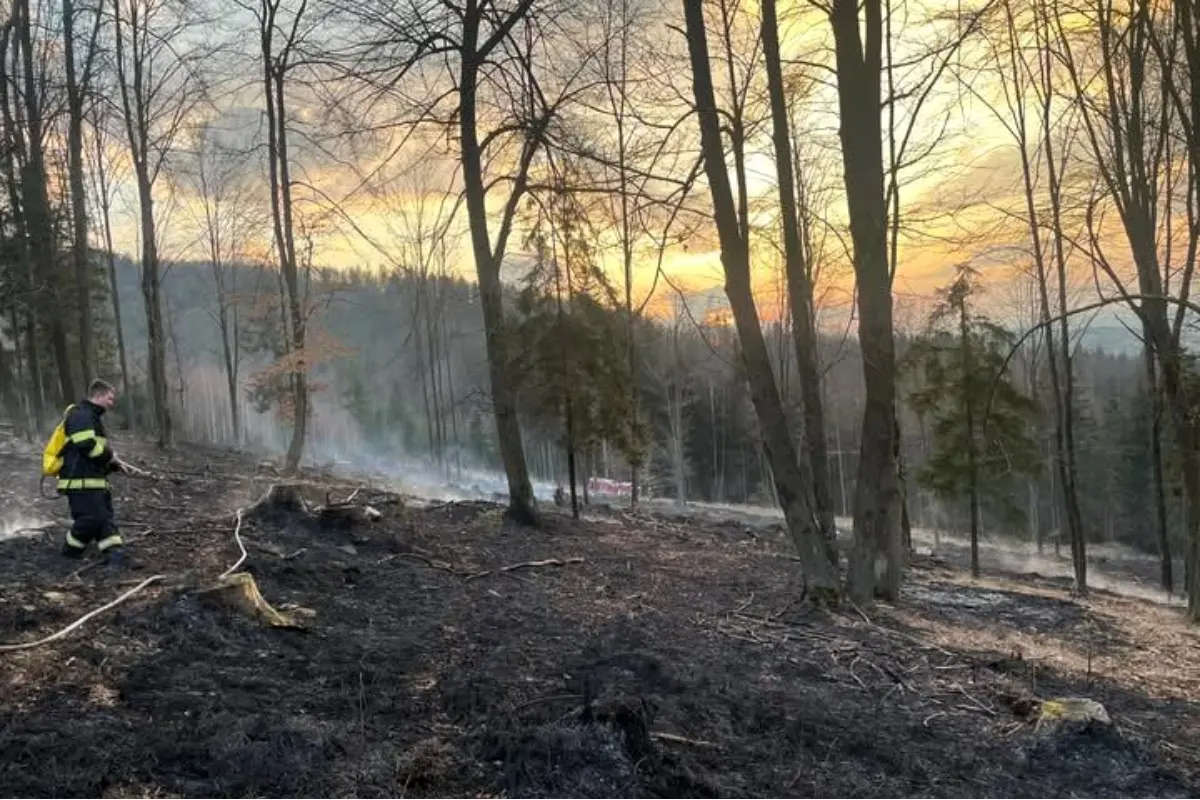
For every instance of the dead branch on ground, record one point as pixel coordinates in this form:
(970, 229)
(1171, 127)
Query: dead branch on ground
(549, 562)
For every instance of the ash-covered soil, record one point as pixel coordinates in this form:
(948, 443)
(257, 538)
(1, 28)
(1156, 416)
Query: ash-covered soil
(649, 657)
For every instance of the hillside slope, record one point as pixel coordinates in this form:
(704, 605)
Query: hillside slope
(443, 653)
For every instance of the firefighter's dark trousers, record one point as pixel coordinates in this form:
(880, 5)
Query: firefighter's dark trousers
(92, 511)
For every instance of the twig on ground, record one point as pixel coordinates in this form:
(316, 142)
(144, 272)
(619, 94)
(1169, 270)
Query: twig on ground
(976, 702)
(744, 605)
(237, 537)
(444, 567)
(553, 698)
(8, 648)
(83, 569)
(671, 737)
(549, 562)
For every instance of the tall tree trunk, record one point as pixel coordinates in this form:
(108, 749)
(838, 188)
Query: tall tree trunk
(521, 504)
(38, 221)
(876, 564)
(228, 347)
(79, 221)
(1157, 493)
(800, 290)
(134, 102)
(36, 397)
(114, 289)
(902, 479)
(285, 243)
(156, 333)
(793, 479)
(968, 404)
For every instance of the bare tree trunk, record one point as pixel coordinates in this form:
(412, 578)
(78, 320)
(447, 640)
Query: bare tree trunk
(285, 242)
(106, 219)
(133, 98)
(36, 397)
(793, 480)
(968, 404)
(521, 504)
(1157, 494)
(76, 90)
(38, 221)
(902, 479)
(876, 564)
(800, 290)
(228, 358)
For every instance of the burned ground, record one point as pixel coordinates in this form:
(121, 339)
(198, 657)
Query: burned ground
(652, 657)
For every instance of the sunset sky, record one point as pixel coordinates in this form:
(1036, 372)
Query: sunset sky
(950, 199)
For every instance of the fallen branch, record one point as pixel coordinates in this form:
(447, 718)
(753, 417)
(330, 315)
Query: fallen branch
(237, 537)
(549, 562)
(443, 566)
(8, 648)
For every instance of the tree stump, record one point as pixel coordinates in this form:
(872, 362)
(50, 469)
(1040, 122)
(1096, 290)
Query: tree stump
(1071, 714)
(240, 593)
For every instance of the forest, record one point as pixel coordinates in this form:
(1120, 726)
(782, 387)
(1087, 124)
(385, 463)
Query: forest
(494, 237)
(660, 398)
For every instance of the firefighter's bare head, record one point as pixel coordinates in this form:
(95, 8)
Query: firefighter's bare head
(102, 393)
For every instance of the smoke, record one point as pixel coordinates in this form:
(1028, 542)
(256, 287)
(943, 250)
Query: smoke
(15, 526)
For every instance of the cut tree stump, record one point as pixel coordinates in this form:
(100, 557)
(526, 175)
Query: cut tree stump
(1071, 714)
(239, 592)
(279, 498)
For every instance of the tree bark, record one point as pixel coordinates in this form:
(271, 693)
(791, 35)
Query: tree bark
(522, 506)
(1157, 493)
(79, 220)
(134, 103)
(106, 220)
(36, 395)
(38, 221)
(793, 482)
(799, 286)
(876, 564)
(969, 415)
(285, 242)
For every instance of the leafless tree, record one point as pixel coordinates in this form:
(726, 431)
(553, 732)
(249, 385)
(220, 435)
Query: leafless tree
(225, 206)
(104, 184)
(78, 85)
(1124, 73)
(501, 73)
(799, 283)
(791, 474)
(1023, 68)
(157, 68)
(38, 221)
(877, 557)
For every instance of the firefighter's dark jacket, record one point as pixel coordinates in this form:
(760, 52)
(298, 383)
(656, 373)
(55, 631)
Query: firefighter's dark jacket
(87, 458)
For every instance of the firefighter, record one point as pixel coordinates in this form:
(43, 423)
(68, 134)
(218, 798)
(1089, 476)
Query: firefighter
(88, 459)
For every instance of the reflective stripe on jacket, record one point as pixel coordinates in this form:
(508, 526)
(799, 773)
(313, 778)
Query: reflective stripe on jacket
(87, 458)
